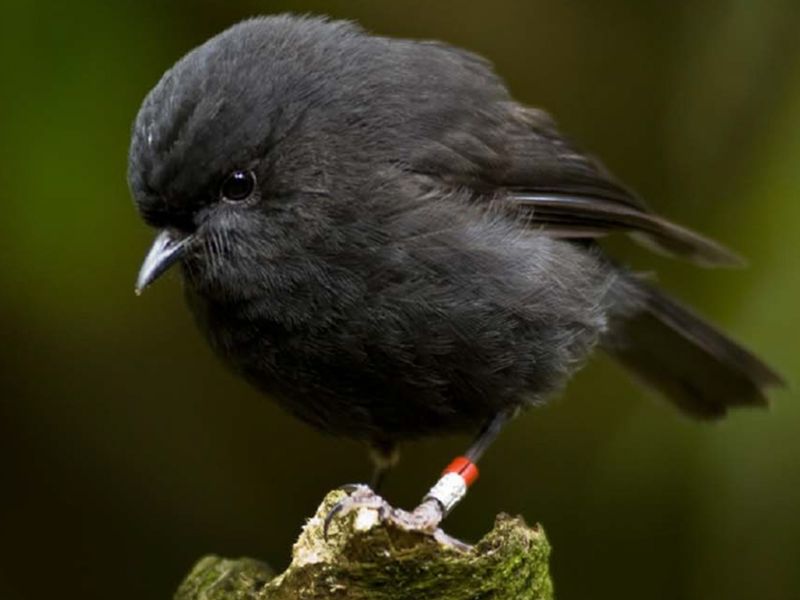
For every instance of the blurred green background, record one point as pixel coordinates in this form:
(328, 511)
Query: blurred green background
(128, 451)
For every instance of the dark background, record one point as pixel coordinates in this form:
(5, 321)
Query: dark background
(128, 451)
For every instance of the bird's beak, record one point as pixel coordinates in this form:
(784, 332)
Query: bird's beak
(167, 249)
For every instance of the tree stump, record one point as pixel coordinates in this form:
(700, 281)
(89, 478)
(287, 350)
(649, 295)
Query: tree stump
(364, 558)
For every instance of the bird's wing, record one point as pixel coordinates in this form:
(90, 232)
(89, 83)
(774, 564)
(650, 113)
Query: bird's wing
(523, 158)
(566, 214)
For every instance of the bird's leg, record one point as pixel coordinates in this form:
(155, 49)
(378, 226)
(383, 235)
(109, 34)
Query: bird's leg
(440, 499)
(457, 477)
(384, 457)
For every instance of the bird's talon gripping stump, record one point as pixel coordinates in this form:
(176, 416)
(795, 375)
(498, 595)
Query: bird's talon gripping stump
(358, 496)
(437, 503)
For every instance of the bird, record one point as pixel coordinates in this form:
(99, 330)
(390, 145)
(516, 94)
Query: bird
(377, 236)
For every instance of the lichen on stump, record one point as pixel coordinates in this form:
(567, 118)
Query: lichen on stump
(366, 559)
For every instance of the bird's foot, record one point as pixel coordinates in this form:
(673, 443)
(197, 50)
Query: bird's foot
(358, 496)
(425, 518)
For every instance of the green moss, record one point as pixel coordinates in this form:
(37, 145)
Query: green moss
(364, 559)
(214, 578)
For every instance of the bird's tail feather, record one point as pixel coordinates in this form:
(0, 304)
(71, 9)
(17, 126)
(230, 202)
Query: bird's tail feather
(697, 367)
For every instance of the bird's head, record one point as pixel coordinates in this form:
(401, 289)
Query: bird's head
(217, 146)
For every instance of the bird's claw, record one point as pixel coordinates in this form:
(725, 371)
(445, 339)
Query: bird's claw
(358, 496)
(424, 518)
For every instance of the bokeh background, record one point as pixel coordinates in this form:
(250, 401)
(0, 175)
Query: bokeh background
(127, 451)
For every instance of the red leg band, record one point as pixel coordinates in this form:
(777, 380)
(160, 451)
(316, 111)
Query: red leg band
(465, 468)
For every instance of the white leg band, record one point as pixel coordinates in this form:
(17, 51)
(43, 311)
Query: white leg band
(448, 491)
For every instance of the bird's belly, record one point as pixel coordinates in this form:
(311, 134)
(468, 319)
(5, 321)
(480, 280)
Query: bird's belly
(364, 385)
(352, 393)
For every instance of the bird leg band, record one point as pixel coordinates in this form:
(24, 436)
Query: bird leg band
(453, 484)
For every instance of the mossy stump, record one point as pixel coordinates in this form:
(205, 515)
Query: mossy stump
(366, 559)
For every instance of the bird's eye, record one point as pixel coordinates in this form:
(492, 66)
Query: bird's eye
(238, 186)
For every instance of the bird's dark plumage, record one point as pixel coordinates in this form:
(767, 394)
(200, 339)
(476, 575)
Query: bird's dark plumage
(418, 253)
